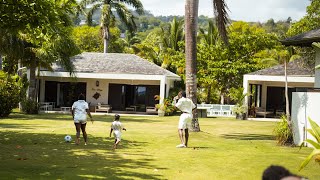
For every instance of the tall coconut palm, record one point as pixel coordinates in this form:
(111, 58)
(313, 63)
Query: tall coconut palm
(191, 16)
(108, 17)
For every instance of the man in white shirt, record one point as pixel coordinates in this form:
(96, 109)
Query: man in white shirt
(186, 106)
(80, 109)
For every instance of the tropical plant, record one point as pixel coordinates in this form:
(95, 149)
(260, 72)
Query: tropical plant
(166, 106)
(108, 17)
(315, 133)
(238, 96)
(283, 132)
(171, 35)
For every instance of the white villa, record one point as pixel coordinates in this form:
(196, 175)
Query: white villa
(119, 80)
(268, 88)
(304, 87)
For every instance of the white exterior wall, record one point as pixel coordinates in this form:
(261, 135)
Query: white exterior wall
(103, 88)
(317, 71)
(165, 82)
(304, 105)
(274, 81)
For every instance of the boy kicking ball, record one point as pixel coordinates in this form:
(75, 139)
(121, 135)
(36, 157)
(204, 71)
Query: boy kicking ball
(116, 127)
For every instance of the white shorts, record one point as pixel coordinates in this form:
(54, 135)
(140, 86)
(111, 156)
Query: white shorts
(117, 135)
(185, 121)
(80, 121)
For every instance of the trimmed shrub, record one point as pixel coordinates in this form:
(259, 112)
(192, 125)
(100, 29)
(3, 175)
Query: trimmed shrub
(30, 106)
(9, 93)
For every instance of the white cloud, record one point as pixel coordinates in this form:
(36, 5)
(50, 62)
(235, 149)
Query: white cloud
(247, 10)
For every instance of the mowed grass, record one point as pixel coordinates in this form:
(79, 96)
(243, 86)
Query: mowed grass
(33, 147)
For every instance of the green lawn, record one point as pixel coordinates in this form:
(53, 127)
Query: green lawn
(33, 147)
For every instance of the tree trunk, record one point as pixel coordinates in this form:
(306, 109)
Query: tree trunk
(222, 98)
(105, 39)
(209, 94)
(191, 18)
(0, 62)
(32, 81)
(286, 94)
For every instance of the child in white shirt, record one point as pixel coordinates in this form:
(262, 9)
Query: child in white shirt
(116, 127)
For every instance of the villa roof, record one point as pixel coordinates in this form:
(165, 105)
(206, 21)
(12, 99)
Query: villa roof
(303, 39)
(114, 63)
(297, 67)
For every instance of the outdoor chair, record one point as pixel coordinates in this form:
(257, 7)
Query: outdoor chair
(103, 108)
(151, 110)
(262, 112)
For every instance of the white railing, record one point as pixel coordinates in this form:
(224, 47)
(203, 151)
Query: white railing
(217, 109)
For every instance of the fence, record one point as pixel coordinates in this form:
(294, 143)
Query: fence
(213, 110)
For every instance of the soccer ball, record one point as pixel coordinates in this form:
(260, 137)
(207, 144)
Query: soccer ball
(67, 138)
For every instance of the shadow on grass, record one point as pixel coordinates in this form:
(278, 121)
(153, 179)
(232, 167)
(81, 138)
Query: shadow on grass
(57, 116)
(241, 136)
(36, 156)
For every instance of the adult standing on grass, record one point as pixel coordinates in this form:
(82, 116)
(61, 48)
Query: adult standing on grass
(186, 106)
(80, 109)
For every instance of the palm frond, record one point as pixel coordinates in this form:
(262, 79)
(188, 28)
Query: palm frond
(125, 16)
(90, 13)
(221, 14)
(136, 4)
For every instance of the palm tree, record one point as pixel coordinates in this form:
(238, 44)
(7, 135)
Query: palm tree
(108, 17)
(172, 35)
(209, 36)
(191, 16)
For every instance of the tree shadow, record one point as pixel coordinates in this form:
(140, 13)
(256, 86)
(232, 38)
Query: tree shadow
(37, 156)
(58, 116)
(241, 136)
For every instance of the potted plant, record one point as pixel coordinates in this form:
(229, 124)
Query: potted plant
(165, 108)
(239, 109)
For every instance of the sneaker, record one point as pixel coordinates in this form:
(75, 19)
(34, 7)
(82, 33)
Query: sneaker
(181, 146)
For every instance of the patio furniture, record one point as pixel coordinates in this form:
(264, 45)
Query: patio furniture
(226, 110)
(65, 109)
(45, 106)
(263, 112)
(103, 108)
(130, 109)
(151, 109)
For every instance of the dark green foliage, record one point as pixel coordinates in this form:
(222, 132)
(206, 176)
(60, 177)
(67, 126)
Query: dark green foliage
(9, 93)
(30, 106)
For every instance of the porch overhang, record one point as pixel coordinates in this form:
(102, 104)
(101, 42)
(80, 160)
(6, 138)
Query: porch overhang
(108, 76)
(305, 79)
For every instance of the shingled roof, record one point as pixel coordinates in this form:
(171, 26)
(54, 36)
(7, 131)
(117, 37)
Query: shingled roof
(304, 39)
(297, 67)
(114, 63)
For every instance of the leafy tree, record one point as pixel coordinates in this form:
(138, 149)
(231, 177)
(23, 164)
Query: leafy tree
(309, 22)
(228, 64)
(44, 44)
(108, 17)
(89, 39)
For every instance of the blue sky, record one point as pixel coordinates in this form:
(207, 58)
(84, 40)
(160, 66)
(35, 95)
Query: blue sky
(246, 10)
